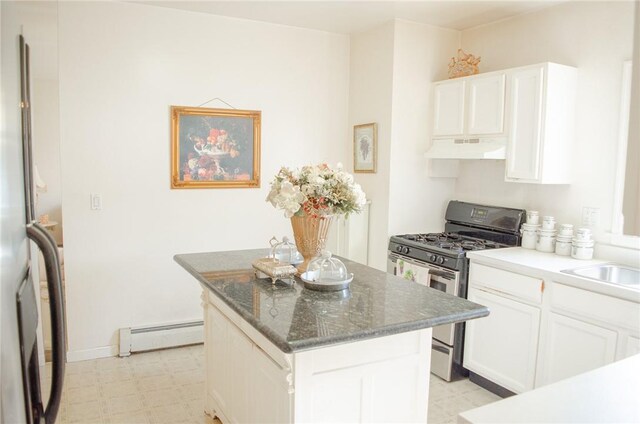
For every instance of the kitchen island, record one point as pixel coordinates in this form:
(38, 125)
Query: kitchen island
(285, 354)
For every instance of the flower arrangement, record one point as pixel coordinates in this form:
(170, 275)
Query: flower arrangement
(315, 191)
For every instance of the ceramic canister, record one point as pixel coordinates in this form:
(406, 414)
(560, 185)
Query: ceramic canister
(546, 241)
(582, 250)
(583, 234)
(529, 235)
(563, 245)
(565, 230)
(533, 217)
(548, 223)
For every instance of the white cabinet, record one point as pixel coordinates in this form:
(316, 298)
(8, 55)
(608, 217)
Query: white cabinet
(541, 121)
(250, 380)
(502, 347)
(540, 331)
(585, 330)
(448, 108)
(470, 106)
(239, 373)
(486, 104)
(574, 347)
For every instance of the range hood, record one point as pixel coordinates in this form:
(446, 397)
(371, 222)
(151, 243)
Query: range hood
(468, 148)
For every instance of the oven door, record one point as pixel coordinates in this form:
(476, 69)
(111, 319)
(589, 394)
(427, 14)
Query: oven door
(443, 279)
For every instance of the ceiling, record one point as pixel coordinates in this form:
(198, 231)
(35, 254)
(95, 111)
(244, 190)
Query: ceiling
(356, 16)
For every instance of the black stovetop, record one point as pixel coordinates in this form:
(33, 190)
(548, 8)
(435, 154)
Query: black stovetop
(451, 241)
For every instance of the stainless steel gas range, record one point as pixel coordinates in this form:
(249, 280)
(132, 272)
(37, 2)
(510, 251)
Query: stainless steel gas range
(438, 260)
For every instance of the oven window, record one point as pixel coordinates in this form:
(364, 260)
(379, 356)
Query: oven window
(438, 285)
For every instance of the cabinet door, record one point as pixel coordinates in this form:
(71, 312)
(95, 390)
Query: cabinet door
(573, 347)
(525, 135)
(503, 346)
(486, 105)
(216, 347)
(448, 108)
(273, 396)
(633, 346)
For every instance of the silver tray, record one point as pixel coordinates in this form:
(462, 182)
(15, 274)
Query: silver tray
(311, 284)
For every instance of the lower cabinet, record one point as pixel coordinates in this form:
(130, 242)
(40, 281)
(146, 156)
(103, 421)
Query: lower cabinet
(502, 347)
(249, 380)
(574, 347)
(239, 373)
(535, 336)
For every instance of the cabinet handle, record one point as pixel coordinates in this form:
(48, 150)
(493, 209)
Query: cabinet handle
(542, 287)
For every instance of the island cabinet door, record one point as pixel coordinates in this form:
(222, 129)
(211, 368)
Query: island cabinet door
(228, 380)
(503, 346)
(381, 380)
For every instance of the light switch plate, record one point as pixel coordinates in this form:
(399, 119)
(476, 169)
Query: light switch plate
(590, 217)
(96, 202)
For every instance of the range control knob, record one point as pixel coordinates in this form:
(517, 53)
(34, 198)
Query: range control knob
(399, 249)
(405, 250)
(432, 258)
(440, 260)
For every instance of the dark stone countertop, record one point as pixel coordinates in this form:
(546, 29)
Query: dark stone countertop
(294, 318)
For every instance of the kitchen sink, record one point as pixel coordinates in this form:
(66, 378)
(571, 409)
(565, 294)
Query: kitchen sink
(609, 273)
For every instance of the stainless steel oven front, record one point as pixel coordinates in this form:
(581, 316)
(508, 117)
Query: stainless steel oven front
(444, 336)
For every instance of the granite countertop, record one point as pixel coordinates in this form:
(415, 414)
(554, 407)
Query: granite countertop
(549, 266)
(294, 318)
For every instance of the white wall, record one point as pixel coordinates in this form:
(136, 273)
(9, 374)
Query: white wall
(417, 202)
(121, 66)
(392, 67)
(370, 98)
(595, 37)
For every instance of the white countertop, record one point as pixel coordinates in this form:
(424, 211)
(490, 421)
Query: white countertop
(606, 395)
(548, 266)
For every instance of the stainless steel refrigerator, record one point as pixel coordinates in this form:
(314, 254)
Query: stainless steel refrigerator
(21, 397)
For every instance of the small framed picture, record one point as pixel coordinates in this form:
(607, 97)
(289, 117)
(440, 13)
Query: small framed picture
(215, 148)
(365, 148)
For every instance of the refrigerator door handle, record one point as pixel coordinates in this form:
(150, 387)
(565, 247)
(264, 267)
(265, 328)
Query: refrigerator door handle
(47, 246)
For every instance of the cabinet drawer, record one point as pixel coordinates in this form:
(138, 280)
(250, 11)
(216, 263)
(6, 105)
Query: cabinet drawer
(618, 312)
(507, 282)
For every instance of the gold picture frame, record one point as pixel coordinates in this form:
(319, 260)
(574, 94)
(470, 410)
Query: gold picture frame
(365, 148)
(215, 148)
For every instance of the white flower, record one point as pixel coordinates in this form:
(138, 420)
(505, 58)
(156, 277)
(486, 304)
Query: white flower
(322, 191)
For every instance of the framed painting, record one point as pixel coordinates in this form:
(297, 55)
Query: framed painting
(215, 148)
(365, 148)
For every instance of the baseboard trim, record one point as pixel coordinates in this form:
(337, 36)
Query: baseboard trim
(94, 353)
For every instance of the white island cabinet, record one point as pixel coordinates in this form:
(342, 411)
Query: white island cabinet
(286, 354)
(545, 325)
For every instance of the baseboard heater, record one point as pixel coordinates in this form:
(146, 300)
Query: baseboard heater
(140, 339)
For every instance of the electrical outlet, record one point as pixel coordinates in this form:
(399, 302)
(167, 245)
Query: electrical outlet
(96, 202)
(590, 217)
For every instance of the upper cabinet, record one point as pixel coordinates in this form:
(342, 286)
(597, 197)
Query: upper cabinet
(541, 124)
(469, 106)
(530, 109)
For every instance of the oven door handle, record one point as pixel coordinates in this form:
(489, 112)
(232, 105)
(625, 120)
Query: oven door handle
(449, 275)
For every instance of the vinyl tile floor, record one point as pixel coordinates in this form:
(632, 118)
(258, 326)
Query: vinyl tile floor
(167, 386)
